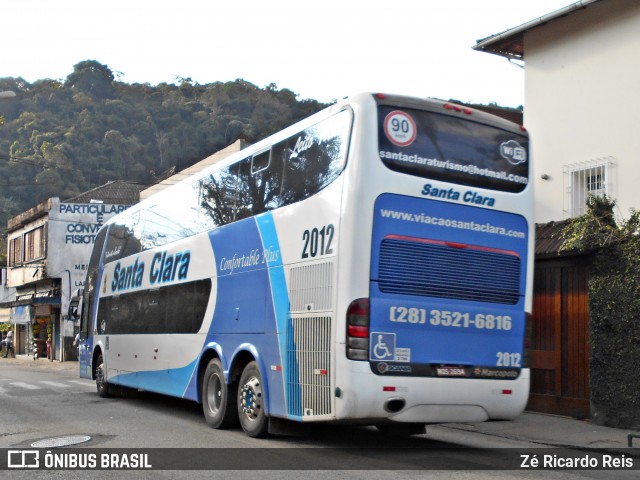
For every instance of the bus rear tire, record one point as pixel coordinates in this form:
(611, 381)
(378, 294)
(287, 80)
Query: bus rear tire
(253, 418)
(102, 386)
(218, 398)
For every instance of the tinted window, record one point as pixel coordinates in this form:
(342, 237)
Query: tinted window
(306, 163)
(122, 240)
(291, 171)
(452, 149)
(220, 195)
(288, 172)
(173, 309)
(90, 283)
(260, 161)
(96, 253)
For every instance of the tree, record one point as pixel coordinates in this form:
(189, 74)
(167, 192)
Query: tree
(91, 77)
(598, 227)
(614, 330)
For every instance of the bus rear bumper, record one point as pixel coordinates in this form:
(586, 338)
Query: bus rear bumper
(432, 400)
(441, 414)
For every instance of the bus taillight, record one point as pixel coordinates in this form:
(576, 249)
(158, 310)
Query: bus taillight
(358, 330)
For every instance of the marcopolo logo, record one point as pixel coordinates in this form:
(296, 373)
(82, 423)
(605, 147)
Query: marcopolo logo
(513, 152)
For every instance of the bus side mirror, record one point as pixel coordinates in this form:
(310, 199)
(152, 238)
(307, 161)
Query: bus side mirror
(75, 305)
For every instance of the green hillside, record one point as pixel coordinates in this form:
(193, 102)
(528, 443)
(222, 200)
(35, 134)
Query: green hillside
(63, 137)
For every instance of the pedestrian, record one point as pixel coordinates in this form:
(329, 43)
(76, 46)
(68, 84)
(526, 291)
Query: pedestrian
(3, 343)
(8, 344)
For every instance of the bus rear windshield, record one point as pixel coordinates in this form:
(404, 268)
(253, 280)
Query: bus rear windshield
(452, 149)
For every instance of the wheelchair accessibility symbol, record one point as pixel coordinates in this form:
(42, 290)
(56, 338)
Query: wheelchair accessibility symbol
(383, 346)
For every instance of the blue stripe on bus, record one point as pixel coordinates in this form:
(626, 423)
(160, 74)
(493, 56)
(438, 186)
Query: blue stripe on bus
(263, 300)
(168, 382)
(280, 298)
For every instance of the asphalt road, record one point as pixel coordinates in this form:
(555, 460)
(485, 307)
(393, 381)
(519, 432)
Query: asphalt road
(37, 405)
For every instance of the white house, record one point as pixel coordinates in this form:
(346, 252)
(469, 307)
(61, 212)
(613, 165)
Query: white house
(582, 96)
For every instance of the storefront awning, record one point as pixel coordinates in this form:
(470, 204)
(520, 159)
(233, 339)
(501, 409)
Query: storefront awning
(32, 301)
(46, 301)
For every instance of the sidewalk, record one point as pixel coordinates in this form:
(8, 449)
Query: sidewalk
(28, 361)
(543, 430)
(555, 431)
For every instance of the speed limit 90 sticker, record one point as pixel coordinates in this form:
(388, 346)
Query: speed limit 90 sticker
(400, 128)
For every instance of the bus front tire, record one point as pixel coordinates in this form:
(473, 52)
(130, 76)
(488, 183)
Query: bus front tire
(103, 387)
(218, 397)
(253, 418)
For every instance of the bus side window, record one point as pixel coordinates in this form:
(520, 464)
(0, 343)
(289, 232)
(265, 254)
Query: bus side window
(260, 162)
(87, 299)
(90, 288)
(259, 182)
(290, 171)
(219, 195)
(245, 200)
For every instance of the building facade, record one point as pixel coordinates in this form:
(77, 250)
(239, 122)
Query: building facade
(48, 250)
(580, 100)
(580, 97)
(7, 294)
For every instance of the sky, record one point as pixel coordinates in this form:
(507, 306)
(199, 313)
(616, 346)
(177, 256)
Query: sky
(319, 49)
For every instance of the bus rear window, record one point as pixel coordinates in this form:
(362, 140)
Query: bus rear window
(452, 149)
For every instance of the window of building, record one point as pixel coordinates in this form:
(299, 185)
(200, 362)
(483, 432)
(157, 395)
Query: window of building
(583, 180)
(15, 251)
(34, 244)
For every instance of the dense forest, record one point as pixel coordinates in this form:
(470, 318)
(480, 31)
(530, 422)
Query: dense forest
(59, 138)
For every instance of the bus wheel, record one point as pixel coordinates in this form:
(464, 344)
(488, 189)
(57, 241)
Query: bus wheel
(218, 398)
(103, 387)
(251, 402)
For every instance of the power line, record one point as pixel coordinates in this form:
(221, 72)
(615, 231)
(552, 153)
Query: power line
(35, 163)
(29, 184)
(24, 161)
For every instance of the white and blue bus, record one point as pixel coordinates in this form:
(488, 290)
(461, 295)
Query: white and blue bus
(370, 264)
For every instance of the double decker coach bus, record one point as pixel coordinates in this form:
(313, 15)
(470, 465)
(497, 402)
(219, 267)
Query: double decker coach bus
(370, 264)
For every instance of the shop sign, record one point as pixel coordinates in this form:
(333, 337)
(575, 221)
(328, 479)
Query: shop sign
(43, 310)
(21, 314)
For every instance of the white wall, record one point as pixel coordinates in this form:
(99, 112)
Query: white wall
(7, 294)
(71, 234)
(582, 97)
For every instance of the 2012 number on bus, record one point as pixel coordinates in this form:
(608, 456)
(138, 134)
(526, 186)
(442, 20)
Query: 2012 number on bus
(318, 241)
